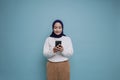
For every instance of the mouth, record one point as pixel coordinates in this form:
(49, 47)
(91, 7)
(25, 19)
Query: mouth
(57, 33)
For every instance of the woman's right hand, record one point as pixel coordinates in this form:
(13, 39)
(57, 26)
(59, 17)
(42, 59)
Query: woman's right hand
(55, 49)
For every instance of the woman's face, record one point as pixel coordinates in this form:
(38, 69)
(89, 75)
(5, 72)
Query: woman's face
(57, 28)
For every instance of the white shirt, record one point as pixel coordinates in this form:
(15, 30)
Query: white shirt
(58, 57)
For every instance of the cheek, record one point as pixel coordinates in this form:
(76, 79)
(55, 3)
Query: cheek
(54, 30)
(60, 30)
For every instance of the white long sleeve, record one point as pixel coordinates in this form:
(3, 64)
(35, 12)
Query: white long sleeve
(58, 57)
(68, 51)
(48, 52)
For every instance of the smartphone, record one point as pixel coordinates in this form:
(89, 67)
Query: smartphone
(58, 42)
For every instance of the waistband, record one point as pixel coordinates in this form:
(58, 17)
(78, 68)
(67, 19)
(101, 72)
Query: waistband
(58, 62)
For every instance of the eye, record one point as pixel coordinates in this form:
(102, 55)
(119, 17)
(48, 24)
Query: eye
(60, 27)
(55, 27)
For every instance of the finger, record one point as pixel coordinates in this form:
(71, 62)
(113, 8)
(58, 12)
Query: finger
(57, 46)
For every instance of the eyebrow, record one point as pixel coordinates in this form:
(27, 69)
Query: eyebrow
(57, 26)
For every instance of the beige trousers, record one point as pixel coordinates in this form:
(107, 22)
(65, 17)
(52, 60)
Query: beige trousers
(58, 70)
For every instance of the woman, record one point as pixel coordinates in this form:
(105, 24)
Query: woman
(58, 49)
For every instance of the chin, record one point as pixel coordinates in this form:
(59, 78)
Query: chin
(57, 34)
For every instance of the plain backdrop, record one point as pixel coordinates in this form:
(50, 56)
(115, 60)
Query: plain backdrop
(93, 25)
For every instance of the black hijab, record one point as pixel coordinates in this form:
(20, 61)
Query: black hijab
(53, 34)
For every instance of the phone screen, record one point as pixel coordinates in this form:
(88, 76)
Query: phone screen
(57, 43)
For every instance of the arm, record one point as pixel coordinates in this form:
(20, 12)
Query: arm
(48, 50)
(68, 49)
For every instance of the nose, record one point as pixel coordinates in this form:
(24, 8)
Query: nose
(57, 29)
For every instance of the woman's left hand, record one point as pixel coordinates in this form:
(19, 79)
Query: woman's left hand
(60, 48)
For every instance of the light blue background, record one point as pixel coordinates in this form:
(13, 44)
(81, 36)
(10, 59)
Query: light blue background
(93, 25)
